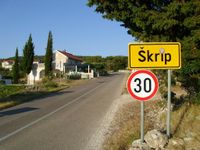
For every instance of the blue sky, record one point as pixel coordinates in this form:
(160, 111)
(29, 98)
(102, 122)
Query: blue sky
(75, 27)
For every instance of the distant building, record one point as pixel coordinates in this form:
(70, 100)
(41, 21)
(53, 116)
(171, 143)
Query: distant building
(62, 61)
(7, 64)
(65, 61)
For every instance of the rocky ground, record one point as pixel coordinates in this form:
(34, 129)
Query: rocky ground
(123, 125)
(120, 129)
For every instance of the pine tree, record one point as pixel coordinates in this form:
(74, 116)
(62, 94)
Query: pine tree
(15, 68)
(159, 20)
(28, 57)
(49, 55)
(153, 20)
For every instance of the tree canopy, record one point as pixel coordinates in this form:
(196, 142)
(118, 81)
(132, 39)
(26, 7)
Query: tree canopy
(160, 20)
(153, 20)
(108, 63)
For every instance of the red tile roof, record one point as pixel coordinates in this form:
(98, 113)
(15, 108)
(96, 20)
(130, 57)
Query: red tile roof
(71, 56)
(8, 60)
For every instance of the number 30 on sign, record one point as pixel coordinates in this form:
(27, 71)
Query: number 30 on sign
(142, 85)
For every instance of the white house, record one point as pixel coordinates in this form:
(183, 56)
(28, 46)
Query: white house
(62, 61)
(7, 64)
(65, 61)
(37, 73)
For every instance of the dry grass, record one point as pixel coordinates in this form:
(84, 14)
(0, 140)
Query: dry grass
(185, 125)
(8, 104)
(124, 90)
(188, 127)
(126, 125)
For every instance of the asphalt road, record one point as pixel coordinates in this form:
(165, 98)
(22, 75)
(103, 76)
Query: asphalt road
(63, 121)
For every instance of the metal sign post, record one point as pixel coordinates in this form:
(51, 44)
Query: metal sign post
(142, 122)
(142, 85)
(151, 55)
(169, 103)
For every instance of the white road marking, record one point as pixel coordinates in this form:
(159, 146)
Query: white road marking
(46, 116)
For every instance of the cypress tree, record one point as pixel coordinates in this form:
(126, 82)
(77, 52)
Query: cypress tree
(49, 55)
(16, 68)
(28, 57)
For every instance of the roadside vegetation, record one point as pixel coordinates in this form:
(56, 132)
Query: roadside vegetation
(106, 64)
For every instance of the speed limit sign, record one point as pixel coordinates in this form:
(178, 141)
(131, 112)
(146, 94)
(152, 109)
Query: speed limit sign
(142, 85)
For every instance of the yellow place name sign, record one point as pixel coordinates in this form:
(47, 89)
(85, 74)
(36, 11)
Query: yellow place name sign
(154, 55)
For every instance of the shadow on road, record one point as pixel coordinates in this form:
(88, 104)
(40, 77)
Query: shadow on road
(16, 111)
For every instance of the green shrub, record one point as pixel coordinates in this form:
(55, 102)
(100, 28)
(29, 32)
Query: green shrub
(44, 80)
(2, 82)
(51, 84)
(192, 85)
(196, 98)
(48, 83)
(173, 98)
(173, 81)
(8, 90)
(75, 76)
(103, 73)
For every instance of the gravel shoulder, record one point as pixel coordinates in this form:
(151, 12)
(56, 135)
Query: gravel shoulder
(106, 127)
(122, 110)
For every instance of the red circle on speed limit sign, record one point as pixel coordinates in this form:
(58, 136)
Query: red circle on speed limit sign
(142, 85)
